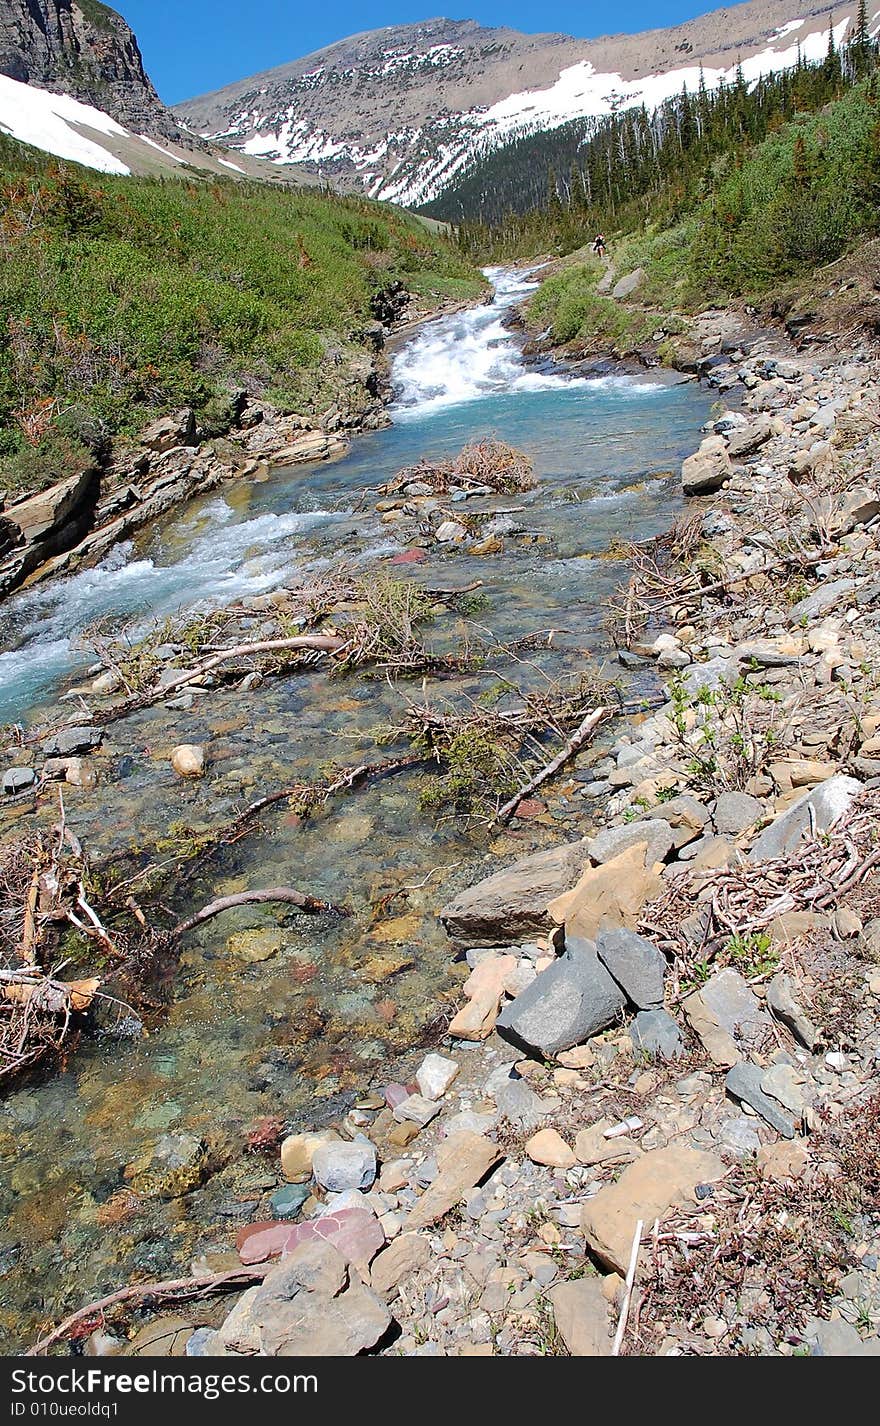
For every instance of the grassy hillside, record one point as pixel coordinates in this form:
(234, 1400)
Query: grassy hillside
(800, 199)
(123, 297)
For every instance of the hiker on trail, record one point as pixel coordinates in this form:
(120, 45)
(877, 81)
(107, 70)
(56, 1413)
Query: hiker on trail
(599, 245)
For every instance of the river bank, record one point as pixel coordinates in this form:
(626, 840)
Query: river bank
(666, 1141)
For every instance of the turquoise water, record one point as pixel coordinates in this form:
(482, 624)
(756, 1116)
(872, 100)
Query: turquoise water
(294, 1035)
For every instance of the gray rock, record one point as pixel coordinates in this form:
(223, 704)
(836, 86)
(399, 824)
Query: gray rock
(338, 1165)
(519, 1104)
(636, 964)
(739, 1137)
(783, 1001)
(826, 597)
(626, 286)
(817, 811)
(613, 840)
(512, 904)
(68, 741)
(204, 1342)
(569, 1001)
(17, 779)
(743, 1082)
(833, 1339)
(735, 812)
(707, 469)
(746, 440)
(654, 1032)
(738, 1011)
(709, 675)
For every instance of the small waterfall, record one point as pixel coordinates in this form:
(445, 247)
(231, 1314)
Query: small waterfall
(469, 355)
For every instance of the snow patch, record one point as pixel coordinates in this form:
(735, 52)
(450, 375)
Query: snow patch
(44, 120)
(145, 139)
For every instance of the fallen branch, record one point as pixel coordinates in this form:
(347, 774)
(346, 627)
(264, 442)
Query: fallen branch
(171, 1287)
(627, 1296)
(574, 744)
(309, 904)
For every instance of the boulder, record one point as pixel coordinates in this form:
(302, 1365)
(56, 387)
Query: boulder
(627, 286)
(707, 469)
(856, 507)
(735, 812)
(483, 989)
(646, 1190)
(403, 1257)
(747, 439)
(548, 1147)
(18, 779)
(636, 965)
(512, 904)
(40, 517)
(168, 432)
(609, 895)
(782, 1000)
(434, 1075)
(816, 812)
(573, 998)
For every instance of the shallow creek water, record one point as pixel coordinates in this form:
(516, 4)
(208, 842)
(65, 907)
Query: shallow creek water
(296, 1033)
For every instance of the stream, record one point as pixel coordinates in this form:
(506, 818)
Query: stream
(269, 1013)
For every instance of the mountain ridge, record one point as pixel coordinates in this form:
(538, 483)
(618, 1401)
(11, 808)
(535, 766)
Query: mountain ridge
(397, 111)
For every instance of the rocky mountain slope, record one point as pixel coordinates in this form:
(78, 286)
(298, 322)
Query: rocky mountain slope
(400, 110)
(85, 50)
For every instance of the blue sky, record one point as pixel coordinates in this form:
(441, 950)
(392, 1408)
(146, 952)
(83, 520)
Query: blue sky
(193, 46)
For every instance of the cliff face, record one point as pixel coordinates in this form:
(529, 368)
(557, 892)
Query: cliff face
(84, 49)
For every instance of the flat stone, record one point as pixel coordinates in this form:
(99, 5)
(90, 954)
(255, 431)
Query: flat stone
(68, 741)
(784, 1160)
(580, 1311)
(646, 1190)
(743, 1081)
(738, 1137)
(609, 895)
(787, 1085)
(573, 998)
(339, 1166)
(636, 964)
(817, 811)
(591, 1145)
(548, 1147)
(654, 831)
(831, 595)
(654, 1032)
(18, 779)
(735, 812)
(736, 1008)
(464, 1159)
(165, 1337)
(511, 905)
(417, 1110)
(782, 1000)
(519, 1104)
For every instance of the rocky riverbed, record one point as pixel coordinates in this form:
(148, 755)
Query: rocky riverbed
(652, 1125)
(649, 1121)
